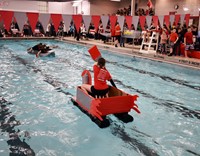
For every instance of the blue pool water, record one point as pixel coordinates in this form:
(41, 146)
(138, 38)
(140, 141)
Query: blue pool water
(38, 118)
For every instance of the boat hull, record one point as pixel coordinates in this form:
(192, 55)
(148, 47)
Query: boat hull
(118, 103)
(50, 53)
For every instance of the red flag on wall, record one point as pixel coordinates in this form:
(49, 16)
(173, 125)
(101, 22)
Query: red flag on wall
(56, 18)
(155, 21)
(1, 17)
(6, 16)
(187, 18)
(177, 18)
(95, 20)
(33, 18)
(142, 21)
(77, 21)
(129, 21)
(113, 20)
(166, 20)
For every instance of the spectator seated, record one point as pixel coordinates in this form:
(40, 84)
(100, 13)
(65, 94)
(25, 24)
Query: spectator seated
(37, 33)
(15, 32)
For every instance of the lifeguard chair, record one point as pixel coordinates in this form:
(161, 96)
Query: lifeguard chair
(151, 43)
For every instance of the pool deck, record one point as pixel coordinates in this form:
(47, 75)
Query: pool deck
(133, 51)
(130, 50)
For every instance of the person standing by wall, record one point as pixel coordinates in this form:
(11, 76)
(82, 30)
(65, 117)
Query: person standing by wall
(188, 41)
(172, 41)
(117, 34)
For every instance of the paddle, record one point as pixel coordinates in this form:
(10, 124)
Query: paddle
(95, 54)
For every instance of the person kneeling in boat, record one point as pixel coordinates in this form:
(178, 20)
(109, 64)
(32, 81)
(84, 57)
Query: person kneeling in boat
(101, 74)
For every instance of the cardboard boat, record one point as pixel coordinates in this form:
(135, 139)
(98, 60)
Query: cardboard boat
(50, 53)
(118, 103)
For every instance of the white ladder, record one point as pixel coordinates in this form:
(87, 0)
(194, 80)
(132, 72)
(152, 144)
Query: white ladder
(152, 42)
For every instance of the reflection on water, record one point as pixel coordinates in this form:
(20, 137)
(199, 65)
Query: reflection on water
(17, 140)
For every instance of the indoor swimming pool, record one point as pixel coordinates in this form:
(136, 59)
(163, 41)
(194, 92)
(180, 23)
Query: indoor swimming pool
(38, 118)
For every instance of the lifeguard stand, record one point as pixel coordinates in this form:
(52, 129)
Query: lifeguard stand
(152, 43)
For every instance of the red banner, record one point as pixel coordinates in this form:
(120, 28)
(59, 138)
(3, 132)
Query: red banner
(77, 21)
(142, 22)
(96, 20)
(33, 18)
(56, 18)
(113, 21)
(1, 16)
(166, 20)
(129, 21)
(7, 18)
(177, 19)
(155, 21)
(187, 18)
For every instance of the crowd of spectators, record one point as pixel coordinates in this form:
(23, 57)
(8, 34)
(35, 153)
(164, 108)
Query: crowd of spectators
(145, 12)
(138, 12)
(178, 39)
(124, 11)
(171, 39)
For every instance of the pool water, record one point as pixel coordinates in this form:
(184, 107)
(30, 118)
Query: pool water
(38, 118)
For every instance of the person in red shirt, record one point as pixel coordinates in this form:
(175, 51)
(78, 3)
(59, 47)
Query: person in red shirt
(172, 41)
(117, 34)
(188, 41)
(101, 75)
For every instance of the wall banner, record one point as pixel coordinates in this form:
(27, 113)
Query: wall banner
(182, 17)
(121, 21)
(44, 20)
(104, 20)
(77, 21)
(155, 21)
(6, 17)
(148, 20)
(172, 17)
(87, 21)
(21, 18)
(177, 19)
(166, 19)
(56, 19)
(113, 21)
(142, 21)
(187, 18)
(129, 21)
(67, 21)
(161, 20)
(96, 20)
(33, 18)
(135, 20)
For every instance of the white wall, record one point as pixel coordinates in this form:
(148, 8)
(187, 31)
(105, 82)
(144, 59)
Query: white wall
(99, 7)
(32, 6)
(19, 5)
(86, 7)
(67, 8)
(165, 6)
(60, 8)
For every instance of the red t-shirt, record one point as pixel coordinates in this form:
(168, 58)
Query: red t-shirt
(117, 30)
(189, 37)
(100, 77)
(173, 37)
